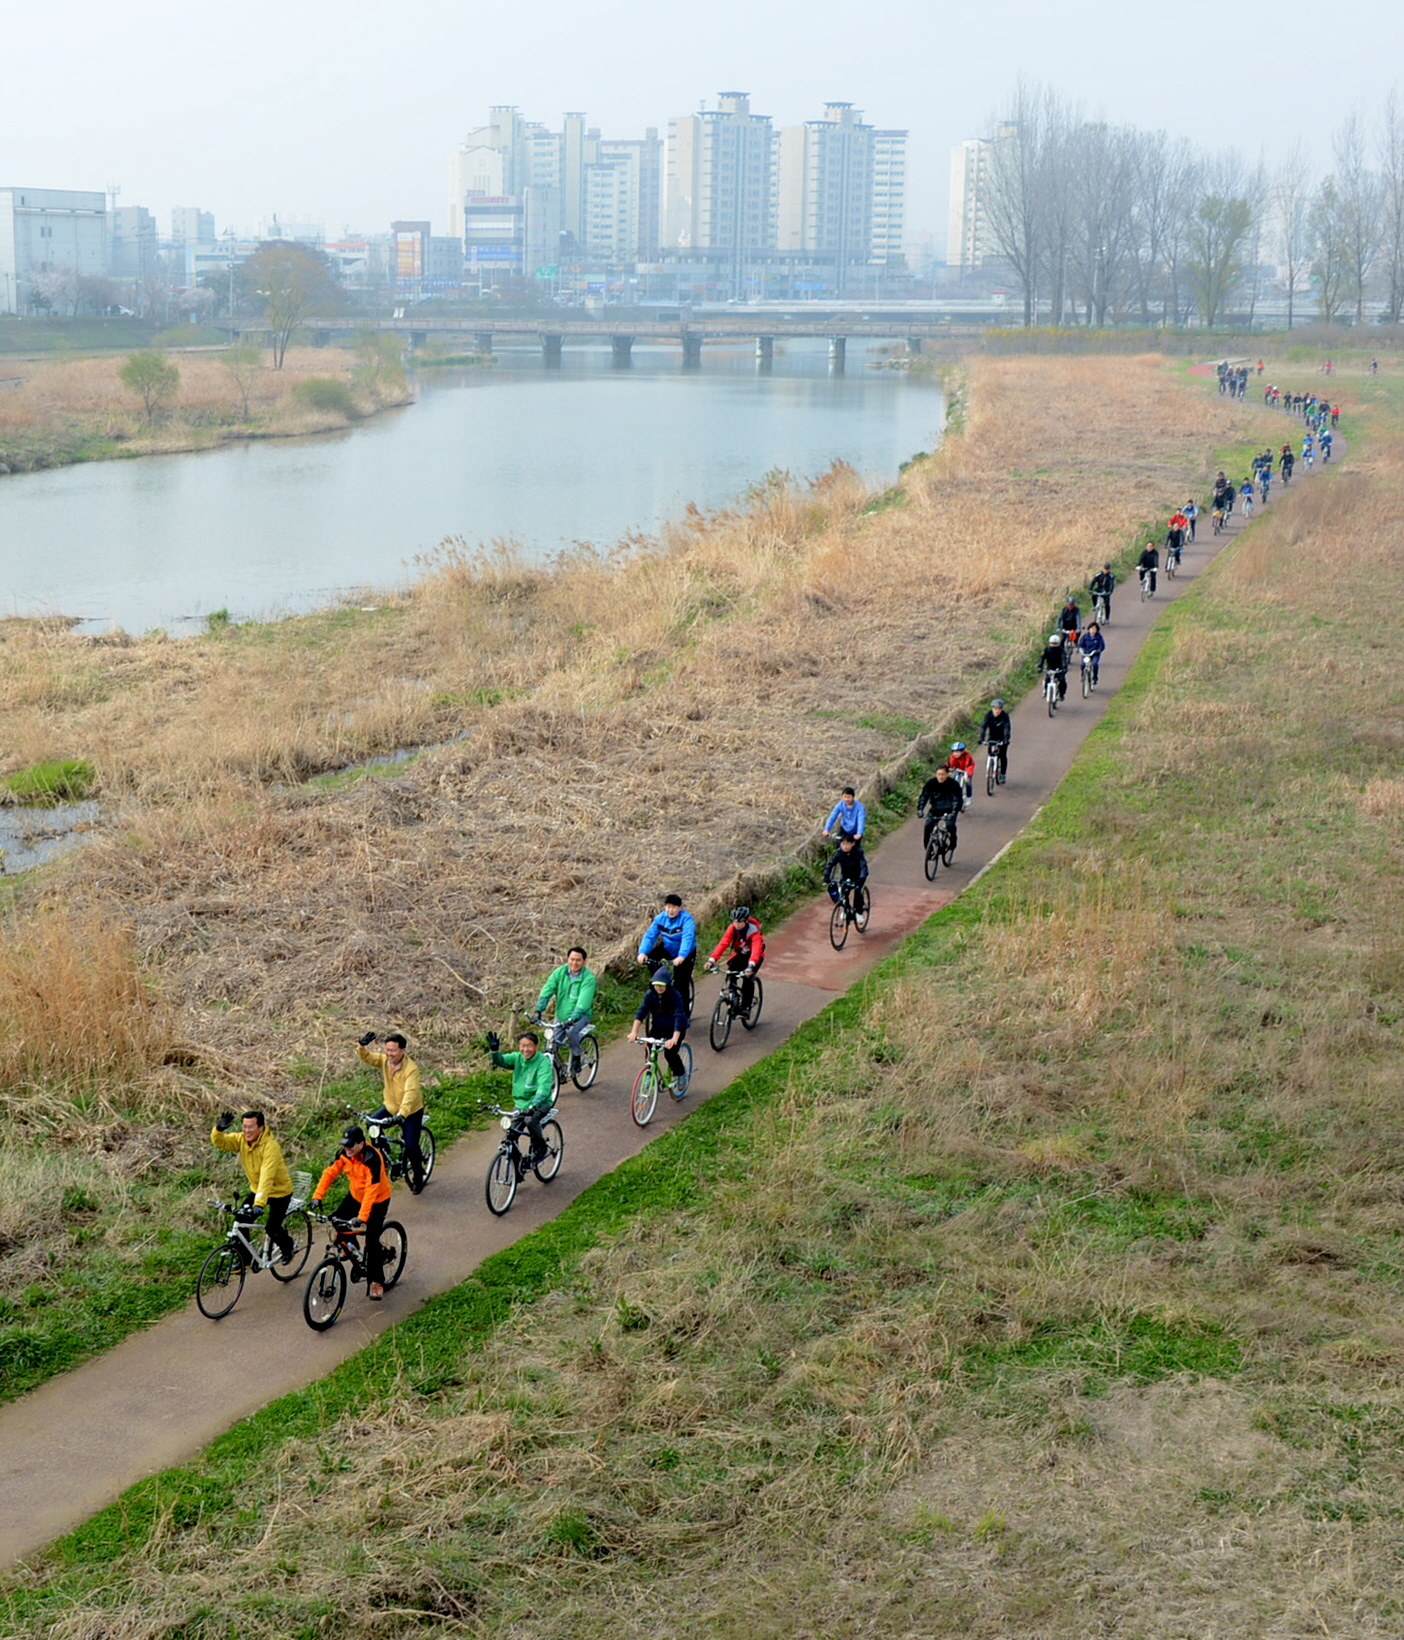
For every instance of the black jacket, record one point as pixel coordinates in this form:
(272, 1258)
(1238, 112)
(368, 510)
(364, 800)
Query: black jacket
(941, 796)
(995, 728)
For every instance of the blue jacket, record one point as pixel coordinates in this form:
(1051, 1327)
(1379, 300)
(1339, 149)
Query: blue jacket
(852, 817)
(677, 935)
(1091, 643)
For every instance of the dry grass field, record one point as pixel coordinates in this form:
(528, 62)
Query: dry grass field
(1051, 1291)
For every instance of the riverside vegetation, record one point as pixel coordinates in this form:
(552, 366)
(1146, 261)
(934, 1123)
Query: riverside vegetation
(87, 409)
(248, 908)
(1047, 1284)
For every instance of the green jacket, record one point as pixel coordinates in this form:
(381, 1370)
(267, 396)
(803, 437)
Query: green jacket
(533, 1080)
(574, 993)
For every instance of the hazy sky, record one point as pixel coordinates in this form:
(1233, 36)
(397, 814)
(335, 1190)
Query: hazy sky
(349, 113)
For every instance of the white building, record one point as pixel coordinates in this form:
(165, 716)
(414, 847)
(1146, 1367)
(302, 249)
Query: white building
(719, 189)
(45, 230)
(970, 243)
(889, 198)
(841, 192)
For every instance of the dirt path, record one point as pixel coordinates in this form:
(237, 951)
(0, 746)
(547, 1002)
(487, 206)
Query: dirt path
(76, 1443)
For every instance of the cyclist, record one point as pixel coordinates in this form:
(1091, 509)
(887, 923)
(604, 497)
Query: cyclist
(1175, 538)
(571, 988)
(270, 1183)
(672, 937)
(1055, 659)
(533, 1083)
(941, 795)
(1288, 462)
(1327, 439)
(663, 1014)
(743, 944)
(1092, 644)
(847, 868)
(1102, 585)
(1191, 512)
(1070, 618)
(1245, 495)
(996, 729)
(848, 814)
(367, 1193)
(962, 766)
(1148, 566)
(400, 1095)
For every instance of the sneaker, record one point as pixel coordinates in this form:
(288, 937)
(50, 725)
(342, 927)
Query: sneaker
(575, 1065)
(376, 1291)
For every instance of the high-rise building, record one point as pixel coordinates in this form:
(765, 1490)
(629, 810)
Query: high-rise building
(192, 226)
(841, 192)
(719, 186)
(889, 199)
(970, 241)
(132, 247)
(48, 230)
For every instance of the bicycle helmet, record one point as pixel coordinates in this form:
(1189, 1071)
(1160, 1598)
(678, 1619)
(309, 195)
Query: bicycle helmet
(997, 703)
(957, 745)
(352, 1136)
(741, 913)
(1055, 637)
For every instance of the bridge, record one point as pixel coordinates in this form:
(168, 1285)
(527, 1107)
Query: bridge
(629, 325)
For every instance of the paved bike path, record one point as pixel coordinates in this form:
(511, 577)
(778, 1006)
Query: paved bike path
(75, 1444)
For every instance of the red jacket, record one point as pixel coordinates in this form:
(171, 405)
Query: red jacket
(751, 941)
(962, 761)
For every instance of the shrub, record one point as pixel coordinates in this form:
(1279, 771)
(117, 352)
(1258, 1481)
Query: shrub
(325, 393)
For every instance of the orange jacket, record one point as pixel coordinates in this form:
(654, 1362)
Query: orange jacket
(367, 1178)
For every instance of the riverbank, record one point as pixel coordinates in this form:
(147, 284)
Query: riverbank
(56, 413)
(1048, 1284)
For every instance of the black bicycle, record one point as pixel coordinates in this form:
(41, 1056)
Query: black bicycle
(940, 847)
(511, 1163)
(222, 1275)
(996, 764)
(386, 1133)
(327, 1286)
(729, 1007)
(852, 910)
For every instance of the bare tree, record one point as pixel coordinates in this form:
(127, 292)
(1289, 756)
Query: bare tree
(1359, 191)
(1016, 189)
(1219, 237)
(56, 288)
(1330, 236)
(1391, 153)
(293, 282)
(1291, 209)
(243, 361)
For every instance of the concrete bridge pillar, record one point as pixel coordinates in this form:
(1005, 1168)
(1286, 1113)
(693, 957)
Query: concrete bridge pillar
(320, 338)
(692, 350)
(623, 347)
(418, 338)
(765, 352)
(551, 351)
(914, 347)
(838, 354)
(482, 341)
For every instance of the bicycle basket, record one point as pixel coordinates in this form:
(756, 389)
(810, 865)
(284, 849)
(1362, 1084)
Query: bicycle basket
(302, 1189)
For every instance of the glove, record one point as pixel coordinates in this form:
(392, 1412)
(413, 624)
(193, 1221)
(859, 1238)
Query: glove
(225, 1122)
(711, 966)
(536, 1016)
(248, 1215)
(493, 1041)
(367, 1039)
(750, 968)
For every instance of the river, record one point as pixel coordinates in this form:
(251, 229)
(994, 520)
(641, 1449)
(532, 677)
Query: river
(586, 453)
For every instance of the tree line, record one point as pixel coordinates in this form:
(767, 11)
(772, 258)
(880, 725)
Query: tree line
(1108, 224)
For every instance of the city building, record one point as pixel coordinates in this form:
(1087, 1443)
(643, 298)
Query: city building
(133, 247)
(719, 187)
(970, 241)
(48, 231)
(889, 200)
(192, 226)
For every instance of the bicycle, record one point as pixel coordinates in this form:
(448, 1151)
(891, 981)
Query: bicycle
(729, 1007)
(510, 1164)
(1217, 519)
(852, 910)
(557, 1045)
(1172, 564)
(1089, 676)
(996, 765)
(221, 1278)
(655, 1076)
(1101, 612)
(385, 1132)
(1051, 691)
(940, 848)
(345, 1262)
(1147, 584)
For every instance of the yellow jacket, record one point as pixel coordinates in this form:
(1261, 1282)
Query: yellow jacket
(263, 1162)
(401, 1093)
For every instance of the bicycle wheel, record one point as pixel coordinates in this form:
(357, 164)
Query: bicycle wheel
(325, 1294)
(589, 1062)
(1050, 694)
(932, 860)
(948, 849)
(1002, 771)
(991, 775)
(862, 909)
(220, 1282)
(838, 927)
(719, 1030)
(682, 1083)
(1169, 569)
(550, 1164)
(751, 1018)
(645, 1095)
(394, 1246)
(502, 1181)
(1145, 588)
(428, 1151)
(1086, 681)
(299, 1228)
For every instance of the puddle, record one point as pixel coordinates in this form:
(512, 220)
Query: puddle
(32, 836)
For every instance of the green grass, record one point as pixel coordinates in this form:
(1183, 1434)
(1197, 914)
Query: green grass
(65, 780)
